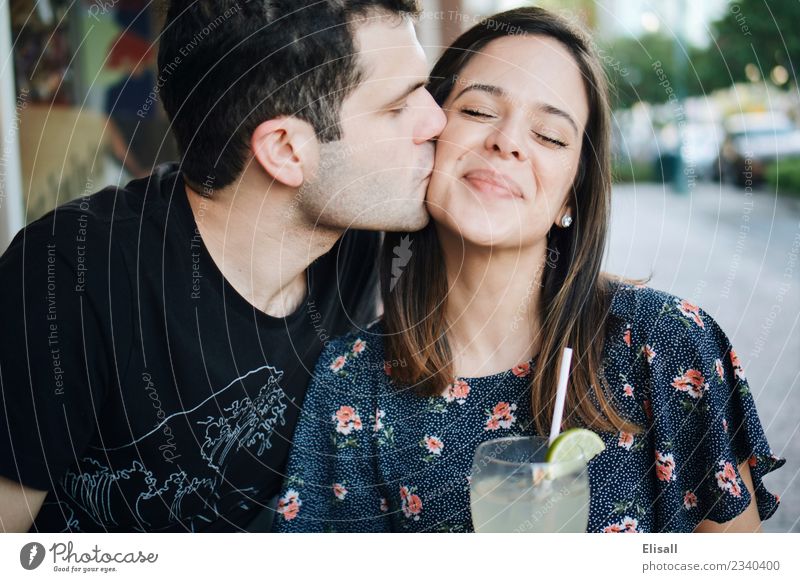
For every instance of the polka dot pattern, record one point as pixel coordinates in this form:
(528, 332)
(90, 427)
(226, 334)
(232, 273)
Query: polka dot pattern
(373, 456)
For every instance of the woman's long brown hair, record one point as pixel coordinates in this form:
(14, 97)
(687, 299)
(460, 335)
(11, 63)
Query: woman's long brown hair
(575, 295)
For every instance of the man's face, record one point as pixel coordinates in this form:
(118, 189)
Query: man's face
(376, 176)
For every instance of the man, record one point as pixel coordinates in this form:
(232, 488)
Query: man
(158, 339)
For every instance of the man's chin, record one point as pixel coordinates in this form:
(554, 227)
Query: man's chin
(423, 220)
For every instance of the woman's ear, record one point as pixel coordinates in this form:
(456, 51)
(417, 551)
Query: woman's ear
(287, 149)
(565, 215)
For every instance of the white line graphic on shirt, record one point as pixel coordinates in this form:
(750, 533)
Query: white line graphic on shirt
(274, 378)
(92, 490)
(244, 423)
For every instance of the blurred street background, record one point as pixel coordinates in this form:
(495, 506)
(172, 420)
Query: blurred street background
(706, 142)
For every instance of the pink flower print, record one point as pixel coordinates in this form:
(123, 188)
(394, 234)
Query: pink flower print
(729, 472)
(628, 390)
(345, 414)
(521, 370)
(720, 370)
(626, 336)
(359, 346)
(665, 466)
(689, 500)
(339, 491)
(501, 416)
(492, 424)
(691, 311)
(384, 505)
(338, 364)
(387, 368)
(627, 525)
(752, 461)
(725, 424)
(692, 382)
(625, 440)
(630, 524)
(502, 409)
(347, 420)
(727, 479)
(378, 425)
(458, 391)
(434, 445)
(289, 505)
(411, 504)
(649, 353)
(738, 371)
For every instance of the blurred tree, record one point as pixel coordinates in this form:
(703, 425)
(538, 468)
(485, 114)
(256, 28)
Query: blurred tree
(631, 63)
(752, 32)
(758, 32)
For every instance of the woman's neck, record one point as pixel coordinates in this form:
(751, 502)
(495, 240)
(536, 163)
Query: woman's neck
(493, 305)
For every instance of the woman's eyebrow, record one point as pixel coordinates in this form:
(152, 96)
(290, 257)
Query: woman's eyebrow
(496, 91)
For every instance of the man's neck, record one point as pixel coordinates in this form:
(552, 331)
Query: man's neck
(261, 242)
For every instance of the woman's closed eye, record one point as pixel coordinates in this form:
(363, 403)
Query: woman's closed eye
(476, 113)
(550, 140)
(479, 114)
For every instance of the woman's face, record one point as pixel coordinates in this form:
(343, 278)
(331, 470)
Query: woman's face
(508, 156)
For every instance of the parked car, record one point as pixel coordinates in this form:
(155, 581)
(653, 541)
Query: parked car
(752, 141)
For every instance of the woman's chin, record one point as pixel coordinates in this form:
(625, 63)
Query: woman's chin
(481, 231)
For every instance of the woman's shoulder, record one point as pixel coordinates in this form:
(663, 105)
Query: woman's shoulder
(358, 351)
(657, 324)
(644, 307)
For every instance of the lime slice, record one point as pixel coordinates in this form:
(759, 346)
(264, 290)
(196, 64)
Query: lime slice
(572, 443)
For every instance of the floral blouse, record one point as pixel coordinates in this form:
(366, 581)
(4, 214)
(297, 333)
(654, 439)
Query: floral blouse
(372, 456)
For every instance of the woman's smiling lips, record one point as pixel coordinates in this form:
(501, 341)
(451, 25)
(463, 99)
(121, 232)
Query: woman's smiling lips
(490, 182)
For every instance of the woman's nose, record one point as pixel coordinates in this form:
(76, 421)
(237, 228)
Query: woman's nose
(501, 139)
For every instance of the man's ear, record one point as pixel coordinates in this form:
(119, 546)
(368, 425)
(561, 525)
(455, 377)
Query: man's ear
(287, 149)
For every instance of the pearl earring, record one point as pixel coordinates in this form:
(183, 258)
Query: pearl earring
(566, 221)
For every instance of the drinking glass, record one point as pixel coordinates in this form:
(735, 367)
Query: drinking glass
(513, 489)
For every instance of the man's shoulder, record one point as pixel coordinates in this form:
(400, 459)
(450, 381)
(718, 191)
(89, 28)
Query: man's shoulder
(112, 204)
(92, 221)
(118, 204)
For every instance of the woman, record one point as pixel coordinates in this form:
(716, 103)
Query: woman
(480, 304)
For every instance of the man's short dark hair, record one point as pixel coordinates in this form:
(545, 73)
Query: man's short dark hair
(225, 66)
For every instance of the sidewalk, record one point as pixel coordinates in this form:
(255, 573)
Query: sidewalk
(737, 255)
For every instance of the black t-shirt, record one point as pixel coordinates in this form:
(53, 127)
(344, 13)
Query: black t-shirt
(138, 387)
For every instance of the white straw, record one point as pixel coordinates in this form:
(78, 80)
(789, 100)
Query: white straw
(561, 394)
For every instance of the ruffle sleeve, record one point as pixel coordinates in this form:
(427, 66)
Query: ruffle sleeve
(704, 423)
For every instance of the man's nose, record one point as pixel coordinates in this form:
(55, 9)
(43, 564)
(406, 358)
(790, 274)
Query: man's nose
(432, 121)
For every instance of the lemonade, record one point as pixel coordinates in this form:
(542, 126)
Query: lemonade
(520, 484)
(561, 505)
